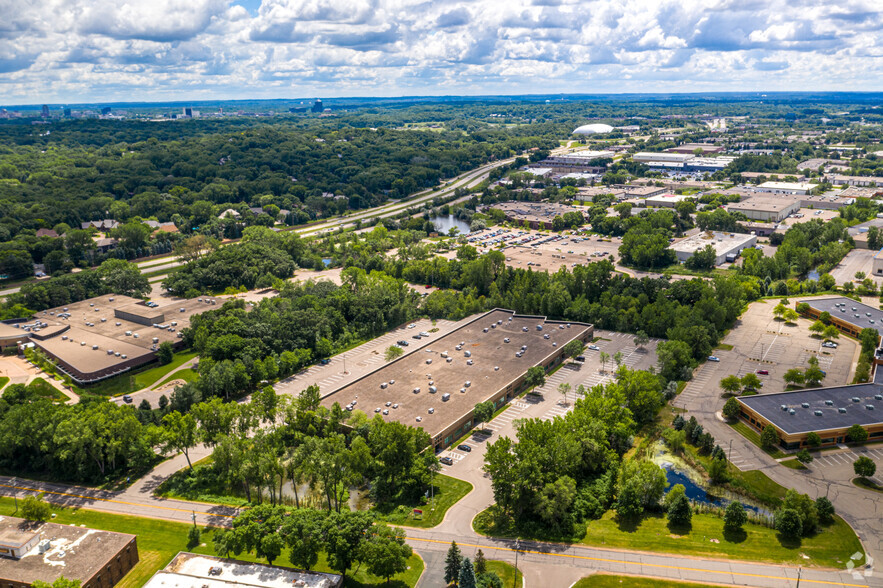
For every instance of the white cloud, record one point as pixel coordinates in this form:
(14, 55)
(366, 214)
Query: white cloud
(70, 50)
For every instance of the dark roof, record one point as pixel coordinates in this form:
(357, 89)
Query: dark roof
(804, 420)
(848, 316)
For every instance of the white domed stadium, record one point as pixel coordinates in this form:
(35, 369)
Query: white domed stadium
(592, 129)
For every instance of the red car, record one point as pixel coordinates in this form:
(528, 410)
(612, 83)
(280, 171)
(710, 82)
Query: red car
(428, 286)
(763, 372)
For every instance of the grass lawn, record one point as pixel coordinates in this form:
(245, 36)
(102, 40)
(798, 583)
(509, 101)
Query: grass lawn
(831, 547)
(867, 484)
(793, 464)
(138, 379)
(506, 571)
(187, 374)
(753, 436)
(724, 346)
(46, 390)
(3, 381)
(448, 491)
(159, 541)
(607, 581)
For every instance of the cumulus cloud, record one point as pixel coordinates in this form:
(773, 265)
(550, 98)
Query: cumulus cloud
(68, 50)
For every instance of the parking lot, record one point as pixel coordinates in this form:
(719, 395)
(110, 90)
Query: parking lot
(857, 260)
(762, 343)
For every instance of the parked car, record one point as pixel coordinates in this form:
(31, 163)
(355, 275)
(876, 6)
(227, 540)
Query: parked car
(325, 361)
(829, 344)
(412, 325)
(446, 460)
(594, 347)
(763, 372)
(713, 358)
(127, 399)
(402, 343)
(464, 447)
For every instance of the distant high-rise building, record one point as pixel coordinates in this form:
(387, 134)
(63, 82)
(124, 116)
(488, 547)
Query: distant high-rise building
(45, 113)
(317, 106)
(67, 113)
(188, 112)
(105, 110)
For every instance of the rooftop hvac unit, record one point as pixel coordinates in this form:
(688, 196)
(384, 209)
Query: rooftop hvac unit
(467, 353)
(433, 389)
(94, 347)
(64, 337)
(428, 361)
(463, 390)
(817, 412)
(446, 397)
(82, 343)
(791, 411)
(496, 368)
(136, 335)
(124, 356)
(841, 410)
(856, 399)
(103, 320)
(110, 299)
(804, 404)
(117, 353)
(156, 339)
(468, 383)
(829, 402)
(118, 323)
(869, 406)
(109, 351)
(416, 390)
(784, 407)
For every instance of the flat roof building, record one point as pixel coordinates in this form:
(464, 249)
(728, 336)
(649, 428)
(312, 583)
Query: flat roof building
(861, 181)
(436, 386)
(848, 315)
(204, 571)
(31, 552)
(538, 215)
(770, 209)
(727, 246)
(666, 200)
(646, 157)
(830, 412)
(795, 188)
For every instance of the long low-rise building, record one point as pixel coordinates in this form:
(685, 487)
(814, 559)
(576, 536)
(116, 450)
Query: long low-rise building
(436, 386)
(537, 215)
(793, 188)
(41, 552)
(727, 246)
(770, 209)
(190, 570)
(848, 315)
(829, 412)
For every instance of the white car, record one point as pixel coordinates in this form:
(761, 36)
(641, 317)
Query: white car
(594, 347)
(829, 344)
(412, 325)
(713, 358)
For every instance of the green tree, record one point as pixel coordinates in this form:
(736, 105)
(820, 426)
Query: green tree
(817, 327)
(813, 439)
(857, 434)
(790, 315)
(166, 353)
(717, 470)
(731, 384)
(34, 508)
(769, 437)
(731, 408)
(864, 466)
(794, 376)
(193, 537)
(385, 552)
(179, 434)
(303, 531)
(831, 332)
(535, 377)
(573, 348)
(345, 532)
(674, 439)
(674, 358)
(804, 457)
(788, 523)
(393, 352)
(641, 339)
(122, 277)
(60, 582)
(604, 357)
(825, 509)
(556, 499)
(679, 512)
(564, 389)
(453, 561)
(704, 259)
(480, 564)
(735, 517)
(483, 411)
(466, 578)
(750, 382)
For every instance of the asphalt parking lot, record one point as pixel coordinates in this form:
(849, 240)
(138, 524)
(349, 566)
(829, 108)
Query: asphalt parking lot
(857, 260)
(760, 342)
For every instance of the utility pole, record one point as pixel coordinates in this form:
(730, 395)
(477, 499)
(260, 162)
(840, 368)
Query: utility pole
(515, 579)
(730, 451)
(799, 569)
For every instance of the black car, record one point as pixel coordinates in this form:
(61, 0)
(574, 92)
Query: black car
(402, 343)
(464, 447)
(415, 337)
(446, 460)
(127, 399)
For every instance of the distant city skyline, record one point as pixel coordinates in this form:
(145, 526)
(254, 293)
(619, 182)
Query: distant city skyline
(170, 50)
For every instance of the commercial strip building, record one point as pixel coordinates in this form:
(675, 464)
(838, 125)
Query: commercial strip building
(830, 412)
(31, 552)
(102, 337)
(848, 315)
(727, 246)
(793, 188)
(204, 571)
(437, 385)
(538, 215)
(770, 209)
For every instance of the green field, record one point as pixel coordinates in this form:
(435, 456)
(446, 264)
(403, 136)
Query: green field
(3, 381)
(159, 541)
(448, 491)
(753, 436)
(867, 484)
(607, 581)
(187, 374)
(831, 547)
(507, 573)
(138, 379)
(793, 464)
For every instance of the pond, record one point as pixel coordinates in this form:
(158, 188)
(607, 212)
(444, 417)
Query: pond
(443, 224)
(327, 261)
(698, 493)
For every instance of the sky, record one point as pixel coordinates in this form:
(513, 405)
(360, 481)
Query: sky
(59, 51)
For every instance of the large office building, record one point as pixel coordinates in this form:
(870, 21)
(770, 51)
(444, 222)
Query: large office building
(578, 161)
(769, 209)
(537, 215)
(830, 412)
(436, 386)
(31, 552)
(727, 246)
(848, 315)
(189, 570)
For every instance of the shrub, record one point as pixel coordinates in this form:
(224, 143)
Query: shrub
(734, 517)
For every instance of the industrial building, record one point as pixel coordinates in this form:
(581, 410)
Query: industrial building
(691, 148)
(102, 337)
(648, 157)
(859, 232)
(793, 188)
(830, 412)
(436, 386)
(31, 552)
(860, 181)
(205, 571)
(538, 215)
(666, 200)
(578, 161)
(848, 315)
(727, 246)
(878, 264)
(769, 209)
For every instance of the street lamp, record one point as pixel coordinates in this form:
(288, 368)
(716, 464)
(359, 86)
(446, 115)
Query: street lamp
(515, 579)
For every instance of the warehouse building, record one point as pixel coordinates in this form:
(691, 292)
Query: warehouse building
(666, 200)
(537, 215)
(770, 209)
(848, 315)
(727, 246)
(830, 412)
(648, 158)
(584, 161)
(437, 386)
(792, 188)
(205, 571)
(31, 552)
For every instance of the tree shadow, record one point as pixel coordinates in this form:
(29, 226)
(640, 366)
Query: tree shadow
(789, 542)
(680, 528)
(628, 524)
(735, 535)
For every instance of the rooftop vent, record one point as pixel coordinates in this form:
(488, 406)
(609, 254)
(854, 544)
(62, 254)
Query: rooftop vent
(841, 410)
(817, 413)
(856, 399)
(791, 411)
(804, 404)
(829, 402)
(869, 406)
(94, 347)
(784, 407)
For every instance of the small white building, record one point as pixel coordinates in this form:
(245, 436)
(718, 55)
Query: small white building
(727, 246)
(666, 200)
(645, 157)
(793, 188)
